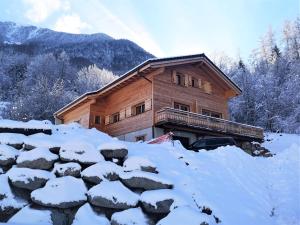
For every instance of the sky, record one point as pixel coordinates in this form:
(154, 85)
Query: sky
(162, 27)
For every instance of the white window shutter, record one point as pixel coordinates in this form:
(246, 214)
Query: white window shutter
(128, 111)
(186, 80)
(148, 104)
(106, 120)
(207, 87)
(174, 73)
(122, 114)
(190, 80)
(199, 83)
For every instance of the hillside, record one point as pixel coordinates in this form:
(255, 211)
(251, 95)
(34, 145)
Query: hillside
(106, 52)
(142, 183)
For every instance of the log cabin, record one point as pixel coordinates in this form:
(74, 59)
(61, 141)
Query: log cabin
(187, 95)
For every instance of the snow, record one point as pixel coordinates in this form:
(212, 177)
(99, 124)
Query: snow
(277, 143)
(148, 175)
(80, 151)
(59, 190)
(26, 174)
(136, 162)
(9, 138)
(32, 124)
(8, 152)
(86, 216)
(113, 145)
(102, 169)
(33, 217)
(63, 167)
(36, 153)
(133, 216)
(186, 215)
(114, 191)
(41, 140)
(154, 196)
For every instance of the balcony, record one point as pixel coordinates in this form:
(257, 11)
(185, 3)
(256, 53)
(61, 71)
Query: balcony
(206, 124)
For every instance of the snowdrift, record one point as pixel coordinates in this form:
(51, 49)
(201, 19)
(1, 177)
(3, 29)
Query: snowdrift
(83, 176)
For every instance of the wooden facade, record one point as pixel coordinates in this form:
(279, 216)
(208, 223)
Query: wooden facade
(192, 88)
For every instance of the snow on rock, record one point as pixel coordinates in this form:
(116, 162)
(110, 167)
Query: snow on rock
(38, 158)
(14, 140)
(186, 215)
(133, 216)
(145, 180)
(30, 179)
(42, 140)
(139, 163)
(114, 149)
(102, 171)
(9, 203)
(112, 194)
(31, 216)
(81, 152)
(86, 216)
(32, 124)
(67, 169)
(8, 155)
(62, 192)
(1, 171)
(160, 201)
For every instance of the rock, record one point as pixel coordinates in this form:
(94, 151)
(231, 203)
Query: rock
(8, 155)
(113, 150)
(33, 216)
(86, 215)
(80, 152)
(139, 163)
(129, 217)
(67, 169)
(13, 140)
(101, 171)
(38, 158)
(112, 194)
(28, 147)
(30, 179)
(144, 180)
(186, 215)
(160, 201)
(62, 192)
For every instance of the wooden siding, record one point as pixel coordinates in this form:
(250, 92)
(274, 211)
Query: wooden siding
(80, 114)
(166, 92)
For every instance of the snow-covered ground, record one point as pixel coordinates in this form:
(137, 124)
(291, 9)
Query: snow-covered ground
(239, 189)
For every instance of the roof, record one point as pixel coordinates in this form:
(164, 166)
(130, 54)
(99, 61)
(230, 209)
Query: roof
(147, 64)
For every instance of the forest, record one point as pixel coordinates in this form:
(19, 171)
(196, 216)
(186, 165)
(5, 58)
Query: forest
(35, 86)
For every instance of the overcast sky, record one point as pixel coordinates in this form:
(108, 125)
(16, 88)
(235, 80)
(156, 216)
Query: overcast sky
(162, 27)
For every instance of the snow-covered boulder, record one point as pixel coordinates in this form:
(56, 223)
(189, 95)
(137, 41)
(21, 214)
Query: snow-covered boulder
(160, 201)
(186, 215)
(32, 216)
(115, 150)
(101, 171)
(80, 152)
(112, 194)
(67, 169)
(86, 216)
(139, 163)
(133, 216)
(30, 179)
(8, 155)
(9, 203)
(38, 158)
(62, 192)
(14, 140)
(144, 180)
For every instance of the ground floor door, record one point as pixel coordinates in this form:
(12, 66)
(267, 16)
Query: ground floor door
(185, 141)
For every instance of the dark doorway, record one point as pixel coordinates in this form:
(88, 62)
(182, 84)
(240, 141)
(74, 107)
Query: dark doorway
(184, 140)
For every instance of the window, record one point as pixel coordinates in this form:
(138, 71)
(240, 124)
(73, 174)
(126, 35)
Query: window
(115, 117)
(97, 119)
(140, 138)
(211, 113)
(139, 108)
(181, 106)
(194, 82)
(178, 79)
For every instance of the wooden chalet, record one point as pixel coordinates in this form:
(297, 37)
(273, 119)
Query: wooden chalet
(187, 95)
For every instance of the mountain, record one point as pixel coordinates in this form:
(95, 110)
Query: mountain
(117, 55)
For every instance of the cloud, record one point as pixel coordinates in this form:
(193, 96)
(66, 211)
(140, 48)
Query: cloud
(70, 23)
(39, 10)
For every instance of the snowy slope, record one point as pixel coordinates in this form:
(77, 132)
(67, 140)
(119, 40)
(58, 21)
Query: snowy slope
(236, 187)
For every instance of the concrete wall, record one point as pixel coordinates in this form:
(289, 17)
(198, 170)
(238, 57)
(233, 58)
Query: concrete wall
(132, 135)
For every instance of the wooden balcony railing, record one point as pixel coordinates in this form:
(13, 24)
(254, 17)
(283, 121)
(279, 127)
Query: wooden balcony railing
(175, 116)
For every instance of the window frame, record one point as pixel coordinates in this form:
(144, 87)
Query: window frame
(142, 108)
(97, 120)
(140, 138)
(210, 113)
(180, 105)
(115, 117)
